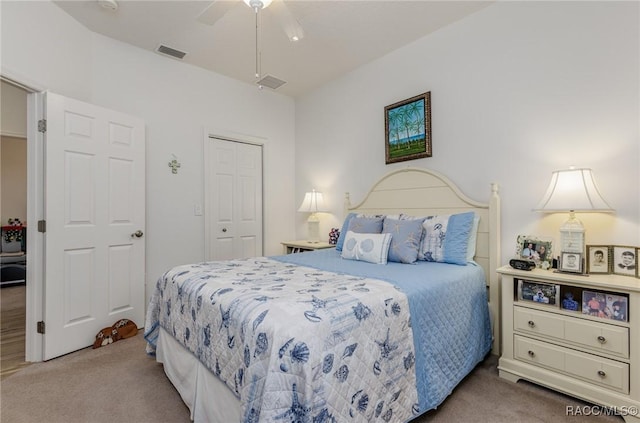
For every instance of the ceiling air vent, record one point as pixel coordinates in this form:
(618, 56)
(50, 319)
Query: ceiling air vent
(171, 52)
(271, 82)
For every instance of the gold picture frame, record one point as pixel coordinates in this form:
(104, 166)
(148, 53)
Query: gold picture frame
(599, 259)
(407, 127)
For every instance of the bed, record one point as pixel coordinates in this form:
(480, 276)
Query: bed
(328, 336)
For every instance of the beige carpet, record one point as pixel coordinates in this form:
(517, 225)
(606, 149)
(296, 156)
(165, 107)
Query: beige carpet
(120, 383)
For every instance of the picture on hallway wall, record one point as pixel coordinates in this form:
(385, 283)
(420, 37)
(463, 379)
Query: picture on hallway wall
(407, 126)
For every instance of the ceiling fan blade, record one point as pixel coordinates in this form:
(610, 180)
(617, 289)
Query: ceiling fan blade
(216, 10)
(289, 23)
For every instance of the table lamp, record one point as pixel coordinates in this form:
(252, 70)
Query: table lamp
(313, 202)
(572, 190)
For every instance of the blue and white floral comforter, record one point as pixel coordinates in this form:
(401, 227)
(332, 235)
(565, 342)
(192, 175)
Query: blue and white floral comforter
(295, 343)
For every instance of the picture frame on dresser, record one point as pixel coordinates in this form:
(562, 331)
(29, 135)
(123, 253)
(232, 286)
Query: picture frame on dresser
(534, 248)
(605, 305)
(538, 292)
(571, 298)
(571, 262)
(625, 260)
(599, 259)
(618, 306)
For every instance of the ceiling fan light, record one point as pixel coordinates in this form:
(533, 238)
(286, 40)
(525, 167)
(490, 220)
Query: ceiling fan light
(258, 4)
(111, 5)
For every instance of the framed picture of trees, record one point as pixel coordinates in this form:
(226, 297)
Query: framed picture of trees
(407, 126)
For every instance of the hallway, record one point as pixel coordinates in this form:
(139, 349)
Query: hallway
(12, 329)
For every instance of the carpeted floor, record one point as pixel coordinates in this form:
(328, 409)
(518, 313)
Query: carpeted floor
(120, 383)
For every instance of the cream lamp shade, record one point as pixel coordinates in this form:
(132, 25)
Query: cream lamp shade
(313, 202)
(572, 190)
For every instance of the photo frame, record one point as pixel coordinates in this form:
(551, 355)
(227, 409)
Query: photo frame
(599, 259)
(570, 262)
(571, 298)
(538, 292)
(593, 303)
(625, 260)
(407, 127)
(535, 248)
(605, 305)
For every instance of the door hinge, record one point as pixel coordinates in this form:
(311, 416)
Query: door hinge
(42, 125)
(42, 226)
(40, 327)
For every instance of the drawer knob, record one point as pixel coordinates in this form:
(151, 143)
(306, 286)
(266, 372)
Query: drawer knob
(601, 373)
(531, 353)
(532, 324)
(602, 339)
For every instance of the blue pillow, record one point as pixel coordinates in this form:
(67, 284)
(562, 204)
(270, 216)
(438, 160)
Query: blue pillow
(366, 225)
(343, 231)
(405, 241)
(447, 238)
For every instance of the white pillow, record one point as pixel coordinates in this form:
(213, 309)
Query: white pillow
(372, 248)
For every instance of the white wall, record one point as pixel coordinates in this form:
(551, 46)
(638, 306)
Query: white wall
(13, 111)
(43, 46)
(518, 90)
(13, 179)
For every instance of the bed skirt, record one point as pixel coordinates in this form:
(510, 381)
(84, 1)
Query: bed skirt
(197, 386)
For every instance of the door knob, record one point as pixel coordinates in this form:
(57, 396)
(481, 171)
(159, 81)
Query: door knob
(137, 234)
(224, 229)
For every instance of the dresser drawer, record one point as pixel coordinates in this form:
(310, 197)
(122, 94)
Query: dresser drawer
(600, 337)
(598, 370)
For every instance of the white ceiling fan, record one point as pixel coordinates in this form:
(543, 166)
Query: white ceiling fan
(218, 8)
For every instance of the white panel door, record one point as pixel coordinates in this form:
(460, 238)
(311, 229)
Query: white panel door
(235, 200)
(94, 208)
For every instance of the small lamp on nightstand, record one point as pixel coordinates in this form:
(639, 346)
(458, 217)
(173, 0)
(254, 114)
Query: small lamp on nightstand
(313, 202)
(572, 190)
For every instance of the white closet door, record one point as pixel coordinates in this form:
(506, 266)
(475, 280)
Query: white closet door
(234, 192)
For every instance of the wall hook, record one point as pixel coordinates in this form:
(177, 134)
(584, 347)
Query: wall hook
(174, 164)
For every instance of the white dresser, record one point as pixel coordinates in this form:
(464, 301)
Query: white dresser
(552, 337)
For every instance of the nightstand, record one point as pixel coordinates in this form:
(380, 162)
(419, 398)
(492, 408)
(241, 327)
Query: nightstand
(575, 347)
(291, 247)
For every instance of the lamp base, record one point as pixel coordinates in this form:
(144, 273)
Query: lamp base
(313, 226)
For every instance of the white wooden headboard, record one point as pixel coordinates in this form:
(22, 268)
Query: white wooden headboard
(423, 192)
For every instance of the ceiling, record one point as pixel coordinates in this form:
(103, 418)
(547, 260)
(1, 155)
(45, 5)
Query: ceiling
(339, 35)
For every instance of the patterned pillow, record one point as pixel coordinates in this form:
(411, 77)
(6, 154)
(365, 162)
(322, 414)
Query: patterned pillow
(405, 241)
(372, 248)
(446, 238)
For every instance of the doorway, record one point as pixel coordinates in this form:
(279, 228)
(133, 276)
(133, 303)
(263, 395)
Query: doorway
(13, 215)
(46, 115)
